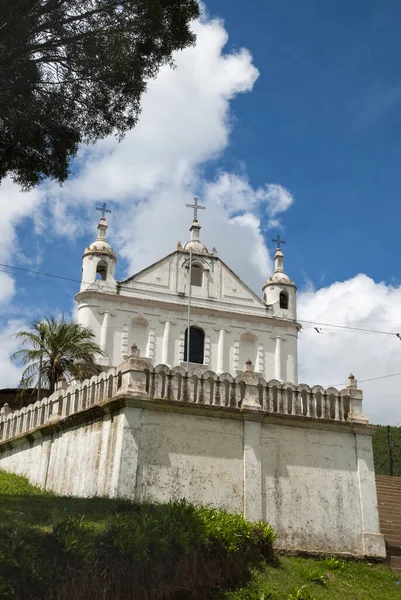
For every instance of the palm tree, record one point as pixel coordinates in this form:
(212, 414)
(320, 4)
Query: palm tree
(54, 349)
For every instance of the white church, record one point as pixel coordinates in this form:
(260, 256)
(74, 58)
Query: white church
(223, 423)
(229, 323)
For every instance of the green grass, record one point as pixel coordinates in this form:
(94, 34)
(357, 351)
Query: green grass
(55, 547)
(24, 505)
(310, 579)
(26, 508)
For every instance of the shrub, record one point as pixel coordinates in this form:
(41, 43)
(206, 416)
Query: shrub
(160, 550)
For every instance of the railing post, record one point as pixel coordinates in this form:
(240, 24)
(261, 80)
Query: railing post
(355, 402)
(251, 398)
(132, 371)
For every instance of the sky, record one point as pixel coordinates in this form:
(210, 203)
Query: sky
(284, 118)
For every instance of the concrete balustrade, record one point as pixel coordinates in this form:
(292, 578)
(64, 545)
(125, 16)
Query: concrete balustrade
(137, 376)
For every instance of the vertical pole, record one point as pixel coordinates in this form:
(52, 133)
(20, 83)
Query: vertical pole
(390, 451)
(40, 366)
(189, 307)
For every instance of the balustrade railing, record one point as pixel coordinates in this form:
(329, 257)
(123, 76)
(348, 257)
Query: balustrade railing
(137, 377)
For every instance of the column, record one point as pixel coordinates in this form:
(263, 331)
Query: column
(278, 358)
(220, 352)
(104, 331)
(166, 342)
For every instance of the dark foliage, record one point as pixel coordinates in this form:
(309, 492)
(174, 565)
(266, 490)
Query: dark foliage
(74, 71)
(120, 549)
(380, 451)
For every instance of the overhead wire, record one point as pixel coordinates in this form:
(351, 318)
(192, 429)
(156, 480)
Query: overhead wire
(317, 325)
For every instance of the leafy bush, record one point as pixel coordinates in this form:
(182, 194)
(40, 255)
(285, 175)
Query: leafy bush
(75, 537)
(331, 563)
(21, 566)
(159, 549)
(301, 593)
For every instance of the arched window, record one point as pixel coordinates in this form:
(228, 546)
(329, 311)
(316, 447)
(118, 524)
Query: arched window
(101, 270)
(284, 300)
(196, 345)
(196, 275)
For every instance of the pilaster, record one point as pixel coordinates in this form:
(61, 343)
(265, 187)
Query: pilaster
(372, 540)
(252, 470)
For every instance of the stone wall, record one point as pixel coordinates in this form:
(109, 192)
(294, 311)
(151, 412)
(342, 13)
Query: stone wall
(298, 457)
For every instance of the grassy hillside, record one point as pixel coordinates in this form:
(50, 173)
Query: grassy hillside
(381, 453)
(59, 548)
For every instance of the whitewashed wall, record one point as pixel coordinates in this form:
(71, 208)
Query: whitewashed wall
(314, 483)
(123, 315)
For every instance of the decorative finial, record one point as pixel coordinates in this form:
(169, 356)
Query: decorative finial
(196, 206)
(352, 382)
(279, 241)
(248, 365)
(179, 246)
(103, 209)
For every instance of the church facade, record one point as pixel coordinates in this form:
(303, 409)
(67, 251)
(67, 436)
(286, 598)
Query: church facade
(229, 323)
(220, 421)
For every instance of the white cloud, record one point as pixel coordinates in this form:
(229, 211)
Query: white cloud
(150, 176)
(154, 172)
(10, 373)
(329, 357)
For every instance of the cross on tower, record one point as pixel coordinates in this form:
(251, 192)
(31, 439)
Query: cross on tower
(279, 241)
(103, 209)
(196, 206)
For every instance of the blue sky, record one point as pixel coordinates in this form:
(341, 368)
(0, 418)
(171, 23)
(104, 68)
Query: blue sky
(324, 120)
(285, 118)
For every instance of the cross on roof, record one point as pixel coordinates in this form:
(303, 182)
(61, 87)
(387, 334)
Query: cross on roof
(196, 206)
(279, 241)
(103, 209)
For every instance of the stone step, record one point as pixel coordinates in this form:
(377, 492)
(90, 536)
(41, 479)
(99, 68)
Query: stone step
(389, 505)
(389, 532)
(395, 561)
(394, 542)
(390, 528)
(395, 489)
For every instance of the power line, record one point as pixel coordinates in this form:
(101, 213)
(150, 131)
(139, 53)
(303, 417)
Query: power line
(366, 380)
(315, 324)
(349, 328)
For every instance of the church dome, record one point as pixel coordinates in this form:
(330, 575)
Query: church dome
(196, 246)
(100, 245)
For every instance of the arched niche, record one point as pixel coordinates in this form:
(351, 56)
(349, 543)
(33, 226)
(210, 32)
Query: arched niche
(247, 349)
(139, 335)
(196, 345)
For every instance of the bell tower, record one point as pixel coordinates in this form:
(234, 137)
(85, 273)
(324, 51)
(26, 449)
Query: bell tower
(279, 291)
(99, 259)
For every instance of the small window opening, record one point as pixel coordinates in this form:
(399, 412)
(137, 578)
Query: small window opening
(284, 300)
(196, 345)
(197, 275)
(101, 271)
